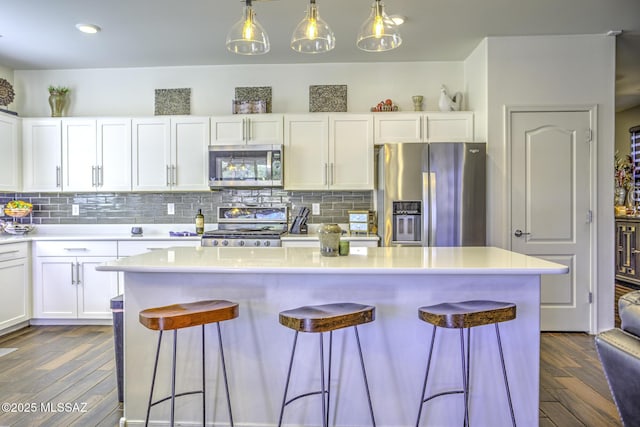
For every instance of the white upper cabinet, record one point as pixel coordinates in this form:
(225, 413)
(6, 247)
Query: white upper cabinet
(11, 170)
(397, 127)
(448, 126)
(253, 129)
(454, 126)
(170, 153)
(78, 154)
(351, 151)
(328, 152)
(42, 155)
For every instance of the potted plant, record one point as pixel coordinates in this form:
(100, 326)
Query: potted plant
(58, 100)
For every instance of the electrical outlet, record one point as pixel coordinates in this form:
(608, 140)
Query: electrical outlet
(315, 208)
(171, 209)
(75, 210)
(1, 210)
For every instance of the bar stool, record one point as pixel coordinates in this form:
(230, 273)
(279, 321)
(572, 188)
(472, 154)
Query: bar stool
(465, 315)
(326, 318)
(178, 316)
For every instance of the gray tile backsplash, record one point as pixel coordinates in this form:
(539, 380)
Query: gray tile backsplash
(151, 208)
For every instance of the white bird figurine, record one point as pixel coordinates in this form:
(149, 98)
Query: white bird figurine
(449, 103)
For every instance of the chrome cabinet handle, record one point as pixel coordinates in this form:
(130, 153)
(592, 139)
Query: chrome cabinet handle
(93, 176)
(326, 173)
(100, 176)
(168, 180)
(78, 270)
(331, 177)
(174, 177)
(73, 278)
(520, 233)
(58, 176)
(244, 129)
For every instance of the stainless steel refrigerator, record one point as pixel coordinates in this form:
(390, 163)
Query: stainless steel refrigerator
(431, 194)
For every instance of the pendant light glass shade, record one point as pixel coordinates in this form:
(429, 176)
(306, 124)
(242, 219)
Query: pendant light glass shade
(312, 35)
(247, 37)
(379, 32)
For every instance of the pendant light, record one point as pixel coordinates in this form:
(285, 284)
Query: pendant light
(247, 37)
(379, 32)
(312, 35)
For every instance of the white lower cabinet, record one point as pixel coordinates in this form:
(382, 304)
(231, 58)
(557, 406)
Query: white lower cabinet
(15, 286)
(66, 284)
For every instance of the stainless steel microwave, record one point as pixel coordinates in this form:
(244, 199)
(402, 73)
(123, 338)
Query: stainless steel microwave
(245, 166)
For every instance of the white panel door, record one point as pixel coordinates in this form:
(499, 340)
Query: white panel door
(351, 152)
(42, 154)
(114, 154)
(151, 154)
(227, 130)
(79, 155)
(95, 288)
(265, 129)
(15, 304)
(306, 153)
(551, 208)
(190, 142)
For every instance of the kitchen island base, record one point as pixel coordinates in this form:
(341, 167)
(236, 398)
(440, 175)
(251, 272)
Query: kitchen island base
(394, 347)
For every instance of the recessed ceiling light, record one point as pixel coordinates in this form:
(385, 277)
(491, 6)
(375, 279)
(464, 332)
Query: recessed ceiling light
(88, 28)
(398, 19)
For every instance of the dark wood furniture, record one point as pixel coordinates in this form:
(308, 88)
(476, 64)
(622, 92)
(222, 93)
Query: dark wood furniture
(178, 316)
(465, 315)
(320, 319)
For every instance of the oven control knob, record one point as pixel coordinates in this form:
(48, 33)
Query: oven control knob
(225, 243)
(215, 243)
(256, 243)
(241, 243)
(267, 243)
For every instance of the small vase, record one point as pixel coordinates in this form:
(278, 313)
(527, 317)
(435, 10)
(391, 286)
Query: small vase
(417, 102)
(620, 196)
(58, 103)
(329, 235)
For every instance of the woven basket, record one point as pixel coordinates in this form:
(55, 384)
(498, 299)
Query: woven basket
(17, 213)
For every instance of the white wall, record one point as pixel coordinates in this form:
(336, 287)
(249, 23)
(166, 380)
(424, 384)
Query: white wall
(561, 71)
(130, 91)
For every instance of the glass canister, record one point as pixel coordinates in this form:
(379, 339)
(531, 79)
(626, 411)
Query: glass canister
(329, 235)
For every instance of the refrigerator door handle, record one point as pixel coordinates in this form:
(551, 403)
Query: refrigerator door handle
(430, 214)
(426, 206)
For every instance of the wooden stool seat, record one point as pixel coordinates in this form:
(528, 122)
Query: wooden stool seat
(467, 314)
(327, 317)
(185, 315)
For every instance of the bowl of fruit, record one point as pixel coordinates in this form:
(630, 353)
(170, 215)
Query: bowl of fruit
(18, 208)
(386, 105)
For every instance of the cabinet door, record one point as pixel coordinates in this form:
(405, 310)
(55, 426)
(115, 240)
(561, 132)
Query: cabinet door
(306, 153)
(455, 126)
(42, 154)
(114, 154)
(397, 127)
(151, 157)
(228, 130)
(265, 129)
(15, 304)
(79, 165)
(11, 170)
(55, 288)
(95, 288)
(190, 141)
(351, 152)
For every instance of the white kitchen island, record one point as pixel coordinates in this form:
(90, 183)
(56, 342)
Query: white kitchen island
(395, 280)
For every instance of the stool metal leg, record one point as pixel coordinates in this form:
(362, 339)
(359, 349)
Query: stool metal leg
(323, 390)
(224, 373)
(153, 379)
(329, 376)
(465, 372)
(286, 385)
(204, 381)
(364, 376)
(426, 375)
(504, 374)
(173, 377)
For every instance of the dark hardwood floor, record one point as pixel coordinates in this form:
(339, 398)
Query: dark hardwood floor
(75, 365)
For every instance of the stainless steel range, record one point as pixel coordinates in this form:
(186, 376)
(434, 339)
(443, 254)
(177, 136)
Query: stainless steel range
(248, 226)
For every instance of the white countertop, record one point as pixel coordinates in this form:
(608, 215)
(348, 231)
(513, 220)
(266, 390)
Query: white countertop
(403, 260)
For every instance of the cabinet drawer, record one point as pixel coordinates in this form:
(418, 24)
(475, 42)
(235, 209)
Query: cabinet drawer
(135, 248)
(76, 248)
(14, 251)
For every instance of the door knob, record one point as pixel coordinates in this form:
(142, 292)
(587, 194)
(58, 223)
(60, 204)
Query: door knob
(519, 233)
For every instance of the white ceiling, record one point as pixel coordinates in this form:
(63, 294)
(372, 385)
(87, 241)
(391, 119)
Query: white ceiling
(41, 34)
